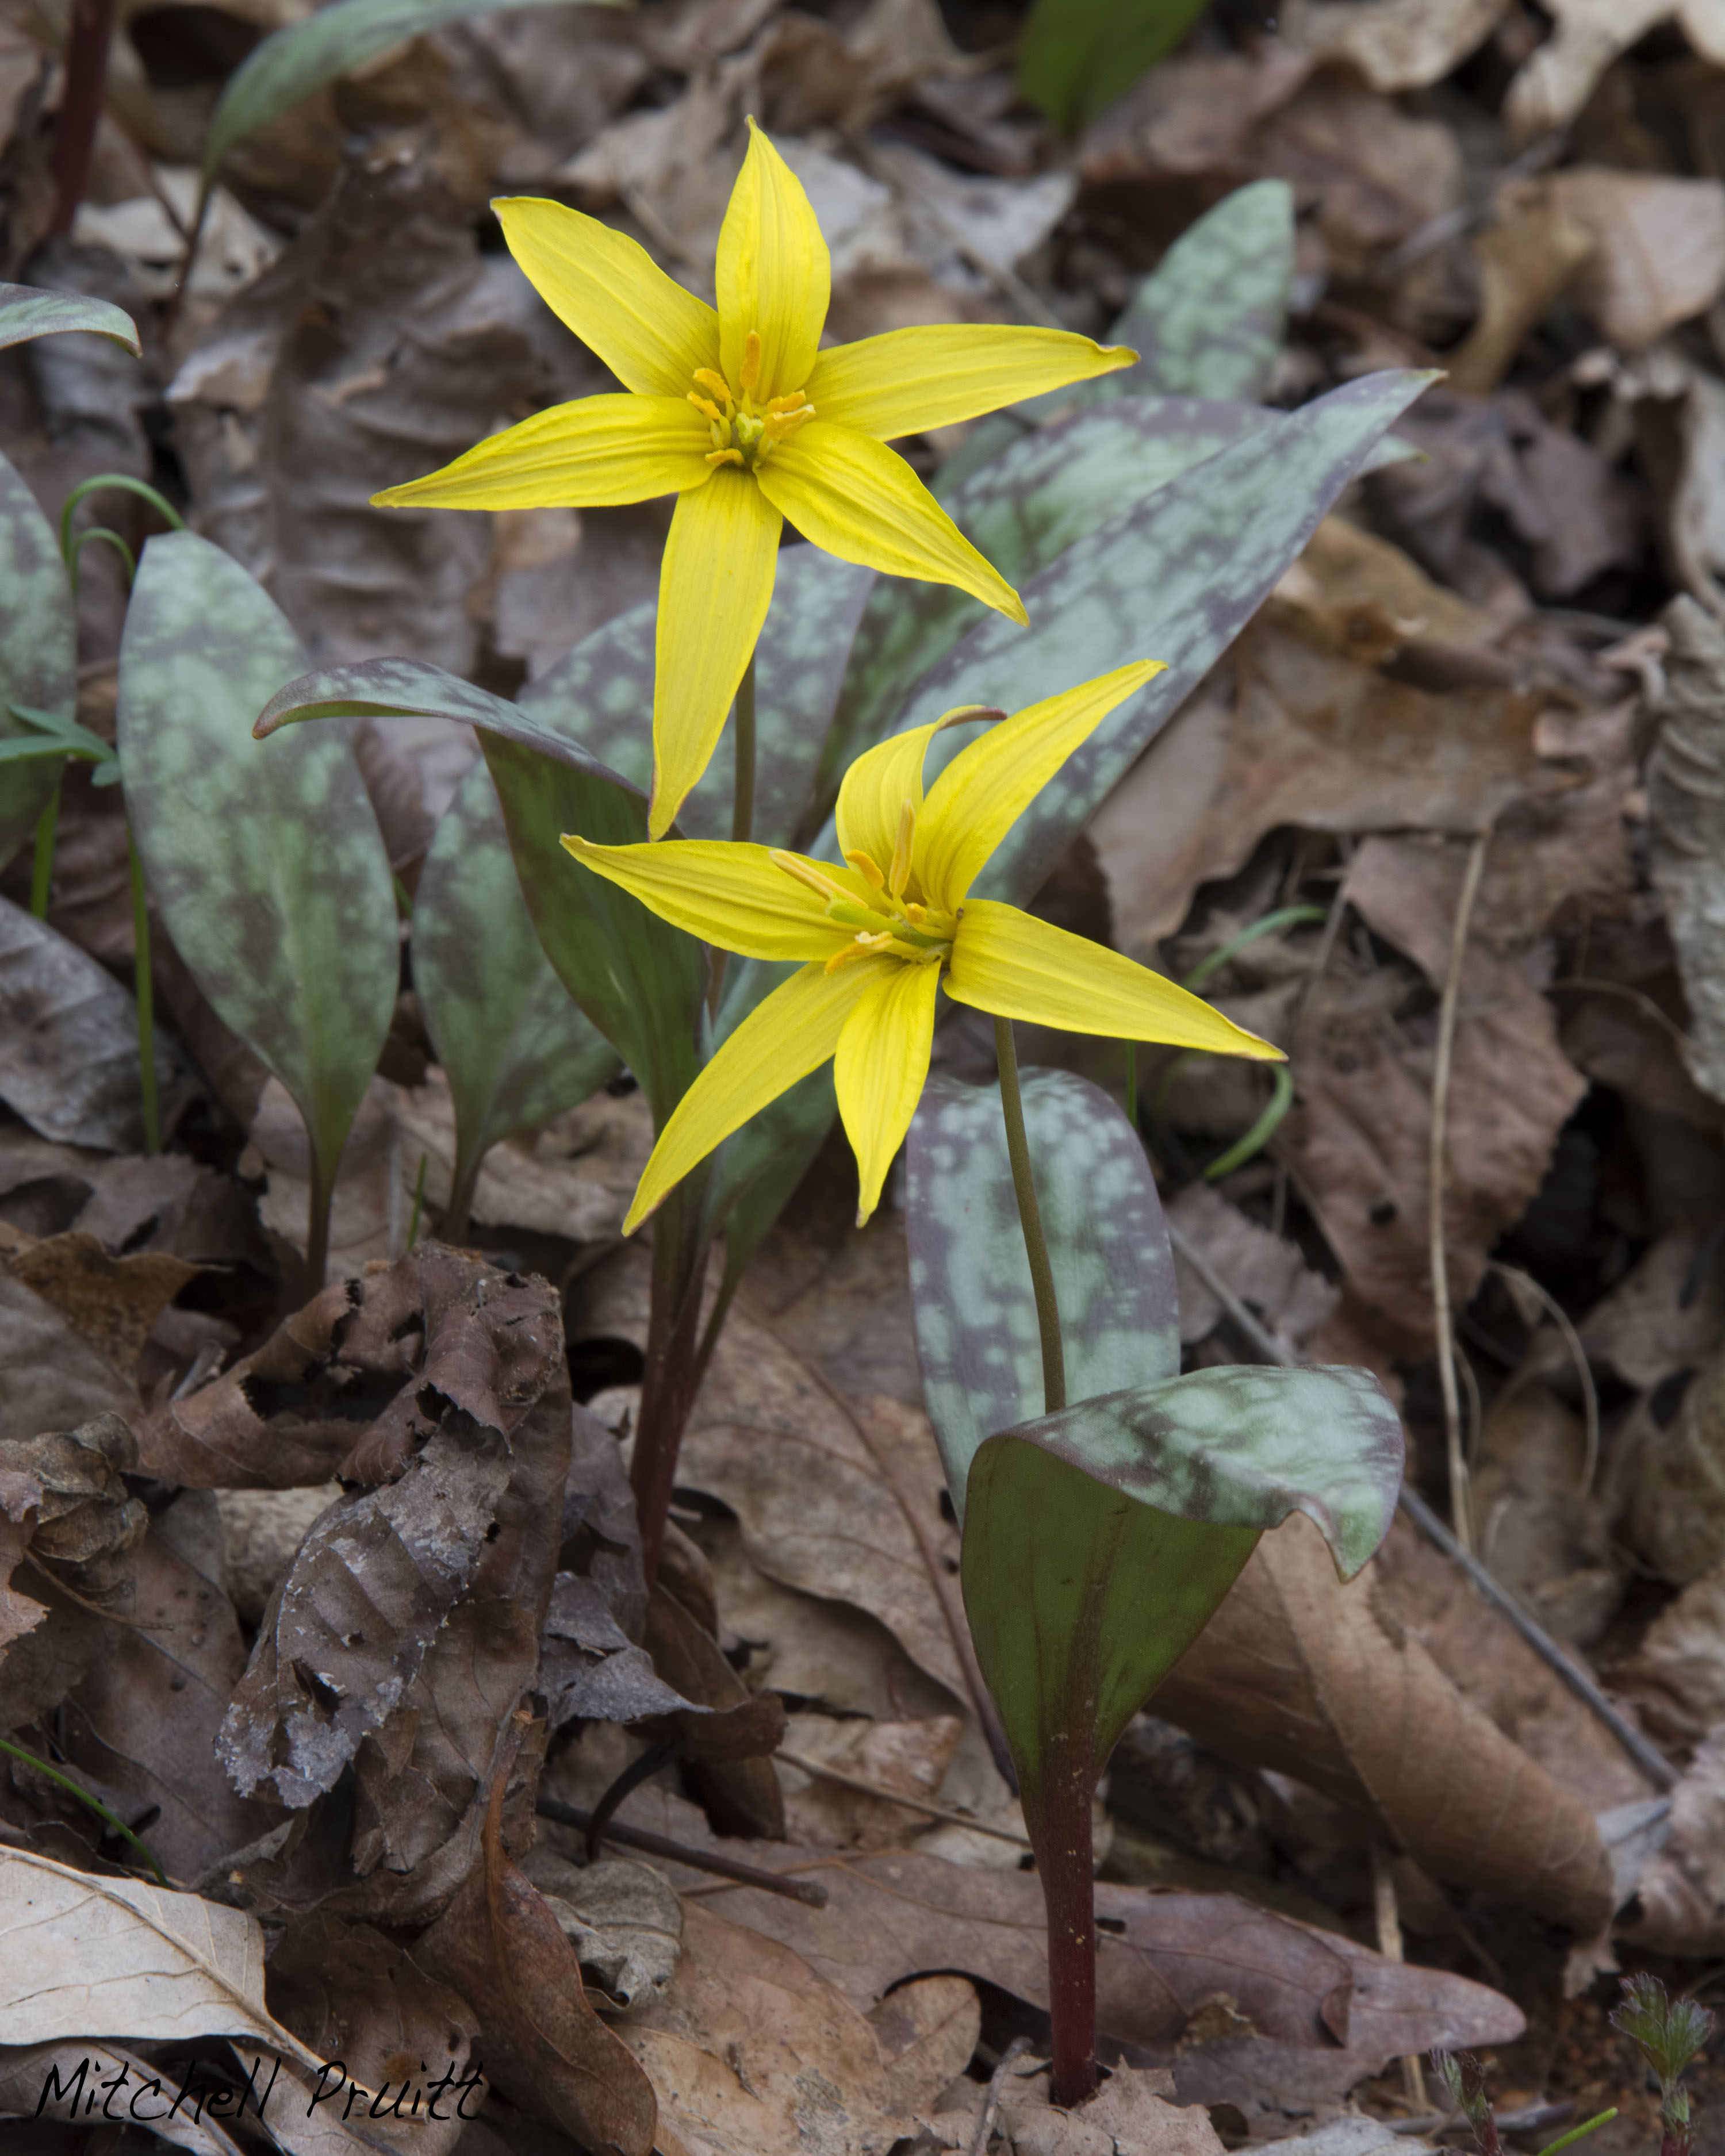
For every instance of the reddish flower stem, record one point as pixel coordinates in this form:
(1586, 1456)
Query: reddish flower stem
(672, 1374)
(80, 106)
(1058, 1818)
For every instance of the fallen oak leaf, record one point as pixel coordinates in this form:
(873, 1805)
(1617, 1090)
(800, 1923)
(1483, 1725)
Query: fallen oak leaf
(110, 1302)
(83, 1956)
(498, 1944)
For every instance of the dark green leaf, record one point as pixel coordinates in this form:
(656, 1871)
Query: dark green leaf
(638, 979)
(515, 1047)
(1076, 56)
(602, 693)
(38, 650)
(1079, 1601)
(970, 1280)
(27, 311)
(757, 1170)
(264, 860)
(293, 62)
(1022, 510)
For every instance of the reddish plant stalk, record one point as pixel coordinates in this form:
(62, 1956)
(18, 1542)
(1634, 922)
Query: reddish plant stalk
(672, 1372)
(1057, 1817)
(80, 106)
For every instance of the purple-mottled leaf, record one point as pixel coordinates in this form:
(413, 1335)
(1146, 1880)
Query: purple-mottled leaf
(265, 860)
(27, 311)
(37, 651)
(970, 1279)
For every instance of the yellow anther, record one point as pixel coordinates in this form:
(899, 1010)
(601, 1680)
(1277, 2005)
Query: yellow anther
(864, 863)
(899, 873)
(707, 408)
(864, 947)
(709, 379)
(822, 885)
(717, 457)
(749, 374)
(791, 403)
(916, 915)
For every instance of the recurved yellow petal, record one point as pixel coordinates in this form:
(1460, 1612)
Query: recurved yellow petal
(855, 498)
(731, 895)
(1015, 966)
(774, 275)
(991, 782)
(881, 1064)
(781, 1040)
(647, 328)
(598, 450)
(715, 586)
(934, 375)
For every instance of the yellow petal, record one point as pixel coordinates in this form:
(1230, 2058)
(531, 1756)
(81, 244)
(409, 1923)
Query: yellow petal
(715, 586)
(857, 499)
(647, 328)
(877, 785)
(781, 1040)
(908, 381)
(991, 782)
(773, 275)
(879, 1069)
(598, 450)
(727, 895)
(1015, 966)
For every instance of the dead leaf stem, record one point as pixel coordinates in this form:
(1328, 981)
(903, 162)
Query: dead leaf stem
(728, 1868)
(1459, 1504)
(941, 1812)
(1389, 1945)
(991, 2103)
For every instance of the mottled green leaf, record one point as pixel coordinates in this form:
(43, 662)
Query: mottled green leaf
(1175, 577)
(974, 1309)
(27, 311)
(638, 979)
(1098, 1541)
(264, 860)
(38, 651)
(757, 1169)
(1076, 56)
(293, 62)
(602, 692)
(1023, 509)
(514, 1045)
(1081, 1601)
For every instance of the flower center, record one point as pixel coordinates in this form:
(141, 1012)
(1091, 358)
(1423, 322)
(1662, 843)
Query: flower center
(894, 920)
(744, 430)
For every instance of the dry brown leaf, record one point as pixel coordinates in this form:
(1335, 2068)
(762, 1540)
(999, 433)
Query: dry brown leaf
(1265, 1271)
(1300, 1674)
(1676, 1509)
(351, 1994)
(1657, 255)
(1678, 1907)
(112, 1303)
(83, 1956)
(1548, 1542)
(1588, 35)
(49, 1379)
(1676, 1677)
(1130, 2117)
(910, 1757)
(1359, 1138)
(754, 2054)
(501, 1947)
(1666, 1314)
(1396, 44)
(1525, 258)
(1685, 825)
(624, 1920)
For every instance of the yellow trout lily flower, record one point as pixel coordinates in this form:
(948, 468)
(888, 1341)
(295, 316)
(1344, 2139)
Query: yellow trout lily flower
(740, 414)
(879, 935)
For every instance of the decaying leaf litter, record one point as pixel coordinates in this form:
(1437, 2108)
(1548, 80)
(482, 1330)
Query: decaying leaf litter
(331, 1595)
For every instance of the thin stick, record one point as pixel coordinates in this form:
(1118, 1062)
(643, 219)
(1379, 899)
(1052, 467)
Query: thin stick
(1578, 1355)
(1654, 1764)
(1024, 1184)
(805, 1891)
(1459, 1508)
(946, 1818)
(1270, 1349)
(144, 988)
(991, 2103)
(742, 792)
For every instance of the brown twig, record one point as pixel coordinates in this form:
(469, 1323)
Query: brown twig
(1447, 1008)
(991, 2103)
(941, 1812)
(678, 1852)
(80, 106)
(1389, 1945)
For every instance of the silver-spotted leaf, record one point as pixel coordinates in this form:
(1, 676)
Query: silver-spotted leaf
(974, 1309)
(264, 859)
(635, 978)
(512, 1042)
(27, 311)
(294, 61)
(38, 649)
